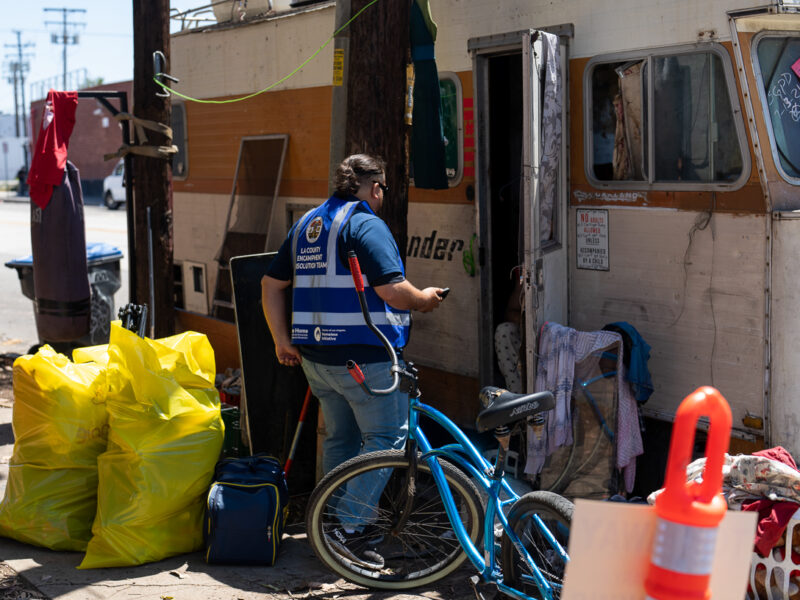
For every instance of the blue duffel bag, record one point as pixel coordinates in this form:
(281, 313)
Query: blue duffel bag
(246, 511)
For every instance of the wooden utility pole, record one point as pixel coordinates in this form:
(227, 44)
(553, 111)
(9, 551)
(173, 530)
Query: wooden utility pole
(152, 176)
(378, 52)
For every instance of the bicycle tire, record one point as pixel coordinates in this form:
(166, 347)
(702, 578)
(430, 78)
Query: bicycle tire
(556, 512)
(425, 550)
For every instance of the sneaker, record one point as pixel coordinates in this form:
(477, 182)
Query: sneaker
(358, 547)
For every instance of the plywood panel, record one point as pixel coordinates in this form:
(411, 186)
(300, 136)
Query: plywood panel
(446, 338)
(221, 334)
(215, 132)
(700, 305)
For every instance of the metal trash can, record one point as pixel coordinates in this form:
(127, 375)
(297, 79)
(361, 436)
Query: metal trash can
(103, 262)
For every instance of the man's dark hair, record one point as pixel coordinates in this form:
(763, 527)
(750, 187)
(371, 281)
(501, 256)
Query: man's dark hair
(355, 170)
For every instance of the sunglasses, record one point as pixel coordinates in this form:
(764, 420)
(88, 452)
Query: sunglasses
(384, 188)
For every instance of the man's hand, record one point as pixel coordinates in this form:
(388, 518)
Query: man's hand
(404, 296)
(288, 355)
(273, 303)
(431, 299)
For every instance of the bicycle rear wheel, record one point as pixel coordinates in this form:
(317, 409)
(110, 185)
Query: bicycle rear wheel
(556, 513)
(425, 550)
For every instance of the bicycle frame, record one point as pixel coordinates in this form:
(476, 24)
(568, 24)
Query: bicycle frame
(466, 455)
(489, 477)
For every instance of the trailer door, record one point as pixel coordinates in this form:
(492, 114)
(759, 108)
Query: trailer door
(544, 188)
(520, 93)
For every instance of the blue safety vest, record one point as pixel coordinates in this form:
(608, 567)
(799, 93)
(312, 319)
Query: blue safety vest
(325, 306)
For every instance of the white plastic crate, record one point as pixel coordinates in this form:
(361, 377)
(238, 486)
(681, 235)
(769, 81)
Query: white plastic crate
(771, 577)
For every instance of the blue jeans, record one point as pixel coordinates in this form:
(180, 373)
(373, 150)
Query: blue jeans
(357, 422)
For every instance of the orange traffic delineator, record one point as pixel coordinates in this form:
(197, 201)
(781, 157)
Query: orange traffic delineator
(689, 513)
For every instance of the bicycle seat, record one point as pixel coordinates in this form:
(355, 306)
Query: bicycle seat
(504, 407)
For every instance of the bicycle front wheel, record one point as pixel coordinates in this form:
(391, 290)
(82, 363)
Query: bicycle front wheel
(424, 550)
(556, 513)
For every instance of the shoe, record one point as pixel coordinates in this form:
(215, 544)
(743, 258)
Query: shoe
(358, 547)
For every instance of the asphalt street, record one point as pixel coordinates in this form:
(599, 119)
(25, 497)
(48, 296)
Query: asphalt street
(17, 323)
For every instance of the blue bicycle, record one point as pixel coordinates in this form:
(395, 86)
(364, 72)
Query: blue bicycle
(420, 512)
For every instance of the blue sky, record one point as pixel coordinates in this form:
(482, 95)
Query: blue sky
(105, 47)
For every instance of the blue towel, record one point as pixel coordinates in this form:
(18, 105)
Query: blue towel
(638, 373)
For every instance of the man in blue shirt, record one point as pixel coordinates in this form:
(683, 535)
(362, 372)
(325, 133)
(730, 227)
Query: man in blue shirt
(327, 327)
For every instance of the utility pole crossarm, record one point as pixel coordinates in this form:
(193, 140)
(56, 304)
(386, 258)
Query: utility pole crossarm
(65, 39)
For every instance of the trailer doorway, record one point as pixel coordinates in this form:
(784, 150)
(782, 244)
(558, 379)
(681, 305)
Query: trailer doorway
(502, 251)
(521, 191)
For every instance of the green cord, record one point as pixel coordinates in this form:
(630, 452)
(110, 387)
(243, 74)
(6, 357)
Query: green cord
(280, 81)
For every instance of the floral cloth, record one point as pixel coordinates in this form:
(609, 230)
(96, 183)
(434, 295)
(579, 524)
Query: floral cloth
(748, 477)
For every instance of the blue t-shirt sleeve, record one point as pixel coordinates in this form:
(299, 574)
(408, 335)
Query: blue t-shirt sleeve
(282, 266)
(375, 247)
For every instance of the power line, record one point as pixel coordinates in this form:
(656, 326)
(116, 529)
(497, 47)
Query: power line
(67, 37)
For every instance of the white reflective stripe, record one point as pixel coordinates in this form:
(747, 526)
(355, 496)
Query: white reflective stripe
(328, 281)
(333, 236)
(684, 549)
(398, 319)
(300, 319)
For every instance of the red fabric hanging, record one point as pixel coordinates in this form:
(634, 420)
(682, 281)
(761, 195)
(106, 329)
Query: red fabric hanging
(50, 156)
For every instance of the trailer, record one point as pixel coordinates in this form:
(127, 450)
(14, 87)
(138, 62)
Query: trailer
(663, 193)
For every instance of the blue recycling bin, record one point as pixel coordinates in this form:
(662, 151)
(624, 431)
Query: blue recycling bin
(103, 261)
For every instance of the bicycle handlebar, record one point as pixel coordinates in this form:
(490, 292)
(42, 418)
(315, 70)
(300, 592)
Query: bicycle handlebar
(352, 367)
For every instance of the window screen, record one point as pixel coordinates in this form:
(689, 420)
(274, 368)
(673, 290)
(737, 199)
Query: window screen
(781, 84)
(694, 135)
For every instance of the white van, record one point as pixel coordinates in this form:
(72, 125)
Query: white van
(114, 187)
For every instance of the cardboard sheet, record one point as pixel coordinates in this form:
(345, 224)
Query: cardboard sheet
(610, 545)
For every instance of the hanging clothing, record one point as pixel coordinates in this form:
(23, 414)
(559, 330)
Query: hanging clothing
(637, 355)
(50, 157)
(60, 271)
(560, 348)
(549, 169)
(427, 134)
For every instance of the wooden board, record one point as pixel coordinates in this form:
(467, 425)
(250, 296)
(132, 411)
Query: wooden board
(273, 394)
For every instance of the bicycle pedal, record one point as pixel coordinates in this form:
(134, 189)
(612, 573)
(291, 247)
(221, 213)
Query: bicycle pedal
(475, 582)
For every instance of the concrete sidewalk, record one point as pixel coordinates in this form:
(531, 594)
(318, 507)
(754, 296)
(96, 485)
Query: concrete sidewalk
(11, 196)
(297, 572)
(185, 577)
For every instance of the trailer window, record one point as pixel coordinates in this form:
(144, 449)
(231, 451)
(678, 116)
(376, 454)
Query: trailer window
(780, 81)
(688, 125)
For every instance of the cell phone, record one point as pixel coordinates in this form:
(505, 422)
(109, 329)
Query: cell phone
(444, 293)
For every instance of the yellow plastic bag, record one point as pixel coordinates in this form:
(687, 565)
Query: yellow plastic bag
(164, 441)
(60, 427)
(188, 356)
